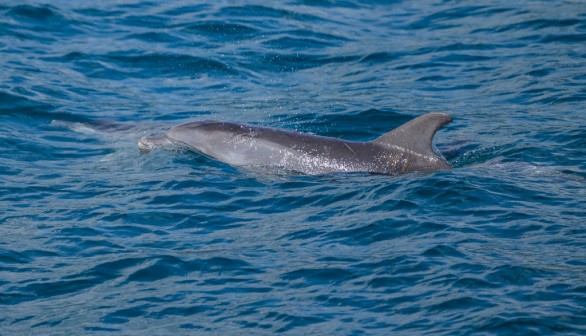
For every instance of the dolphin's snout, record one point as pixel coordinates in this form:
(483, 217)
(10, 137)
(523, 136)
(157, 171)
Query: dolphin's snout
(144, 145)
(150, 143)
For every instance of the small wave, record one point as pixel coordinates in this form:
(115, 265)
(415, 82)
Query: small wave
(172, 63)
(222, 31)
(48, 18)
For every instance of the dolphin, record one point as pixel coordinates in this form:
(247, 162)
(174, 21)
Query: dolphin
(405, 149)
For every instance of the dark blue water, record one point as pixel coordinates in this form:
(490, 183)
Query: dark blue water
(96, 238)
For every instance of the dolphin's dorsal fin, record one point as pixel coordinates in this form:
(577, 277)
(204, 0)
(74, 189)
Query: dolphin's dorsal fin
(415, 135)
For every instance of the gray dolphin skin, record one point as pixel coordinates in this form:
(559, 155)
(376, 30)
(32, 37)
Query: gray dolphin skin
(405, 149)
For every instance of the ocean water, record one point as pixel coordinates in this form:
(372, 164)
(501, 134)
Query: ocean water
(96, 238)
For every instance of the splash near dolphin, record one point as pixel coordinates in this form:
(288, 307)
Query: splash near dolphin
(405, 149)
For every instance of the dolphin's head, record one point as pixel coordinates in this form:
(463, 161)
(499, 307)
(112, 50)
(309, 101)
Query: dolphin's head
(203, 136)
(150, 143)
(198, 135)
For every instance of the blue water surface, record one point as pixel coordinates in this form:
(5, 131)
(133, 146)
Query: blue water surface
(96, 238)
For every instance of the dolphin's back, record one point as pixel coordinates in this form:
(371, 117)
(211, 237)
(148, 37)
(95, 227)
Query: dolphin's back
(249, 145)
